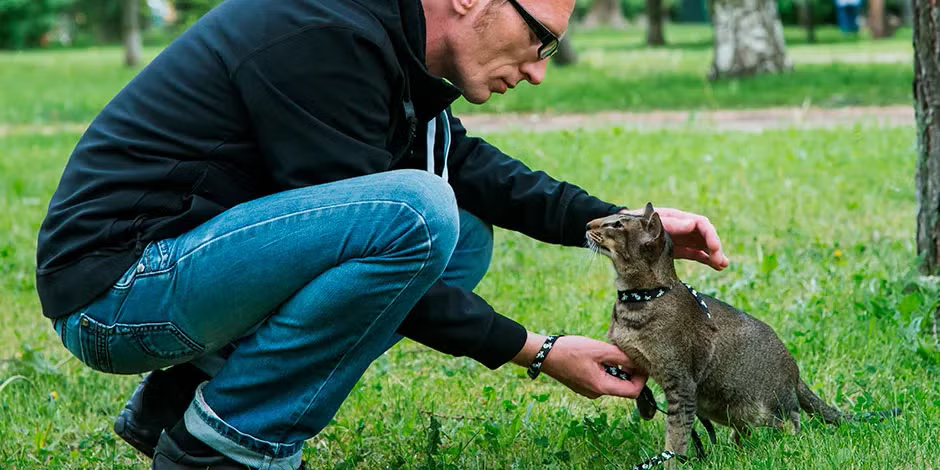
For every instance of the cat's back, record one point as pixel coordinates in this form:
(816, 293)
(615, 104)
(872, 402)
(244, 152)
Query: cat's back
(748, 346)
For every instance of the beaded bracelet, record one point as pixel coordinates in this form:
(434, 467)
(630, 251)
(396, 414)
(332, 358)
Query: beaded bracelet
(536, 366)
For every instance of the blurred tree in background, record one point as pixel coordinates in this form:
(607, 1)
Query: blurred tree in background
(191, 10)
(748, 39)
(927, 107)
(25, 23)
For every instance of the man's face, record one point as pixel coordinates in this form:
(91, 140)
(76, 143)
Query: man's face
(496, 49)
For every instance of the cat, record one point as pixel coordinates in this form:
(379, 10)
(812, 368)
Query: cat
(712, 360)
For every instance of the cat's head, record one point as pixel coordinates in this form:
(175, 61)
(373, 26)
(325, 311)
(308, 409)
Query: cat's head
(633, 242)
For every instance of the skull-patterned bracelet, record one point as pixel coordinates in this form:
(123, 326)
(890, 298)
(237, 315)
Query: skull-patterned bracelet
(536, 366)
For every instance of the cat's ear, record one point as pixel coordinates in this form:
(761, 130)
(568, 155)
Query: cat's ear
(656, 236)
(654, 226)
(649, 211)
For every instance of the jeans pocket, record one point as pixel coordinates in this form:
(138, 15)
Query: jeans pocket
(153, 260)
(132, 349)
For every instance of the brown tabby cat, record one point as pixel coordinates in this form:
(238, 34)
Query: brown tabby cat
(712, 360)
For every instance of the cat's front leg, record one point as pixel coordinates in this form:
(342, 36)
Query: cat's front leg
(680, 393)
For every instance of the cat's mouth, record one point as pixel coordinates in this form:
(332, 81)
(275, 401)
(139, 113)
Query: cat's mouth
(594, 243)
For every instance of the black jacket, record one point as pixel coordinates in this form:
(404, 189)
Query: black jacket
(264, 96)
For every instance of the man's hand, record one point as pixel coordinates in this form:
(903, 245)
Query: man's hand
(578, 363)
(695, 238)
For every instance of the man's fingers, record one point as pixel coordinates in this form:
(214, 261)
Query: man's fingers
(693, 254)
(614, 356)
(611, 385)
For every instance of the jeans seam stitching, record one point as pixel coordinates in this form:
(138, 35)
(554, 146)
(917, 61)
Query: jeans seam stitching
(397, 296)
(284, 216)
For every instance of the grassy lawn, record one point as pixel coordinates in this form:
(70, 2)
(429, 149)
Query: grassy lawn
(616, 72)
(826, 257)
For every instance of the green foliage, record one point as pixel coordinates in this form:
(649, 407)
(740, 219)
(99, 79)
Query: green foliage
(24, 22)
(191, 10)
(100, 21)
(632, 9)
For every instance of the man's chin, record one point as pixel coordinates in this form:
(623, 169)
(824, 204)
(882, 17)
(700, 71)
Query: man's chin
(477, 98)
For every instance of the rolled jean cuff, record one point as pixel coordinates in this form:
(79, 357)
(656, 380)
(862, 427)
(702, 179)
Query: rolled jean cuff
(205, 425)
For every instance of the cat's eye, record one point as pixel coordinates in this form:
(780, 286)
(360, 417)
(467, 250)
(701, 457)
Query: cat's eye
(616, 224)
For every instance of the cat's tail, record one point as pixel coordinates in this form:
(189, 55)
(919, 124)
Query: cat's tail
(814, 405)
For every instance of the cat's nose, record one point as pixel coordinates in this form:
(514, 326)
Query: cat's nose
(587, 226)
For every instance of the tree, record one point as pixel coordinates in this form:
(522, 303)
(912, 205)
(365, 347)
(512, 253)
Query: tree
(748, 39)
(133, 44)
(605, 13)
(23, 23)
(808, 19)
(927, 108)
(654, 28)
(876, 18)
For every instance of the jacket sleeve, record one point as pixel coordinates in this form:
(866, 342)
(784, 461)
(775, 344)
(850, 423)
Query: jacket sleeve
(458, 322)
(505, 192)
(319, 106)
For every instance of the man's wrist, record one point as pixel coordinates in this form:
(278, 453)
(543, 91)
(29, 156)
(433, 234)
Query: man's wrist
(531, 347)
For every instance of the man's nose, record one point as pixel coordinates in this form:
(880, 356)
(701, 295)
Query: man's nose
(534, 72)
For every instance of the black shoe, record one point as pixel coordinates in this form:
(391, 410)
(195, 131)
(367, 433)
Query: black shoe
(170, 455)
(157, 404)
(177, 449)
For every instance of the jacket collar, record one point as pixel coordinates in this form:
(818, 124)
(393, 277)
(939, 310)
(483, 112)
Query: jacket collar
(429, 93)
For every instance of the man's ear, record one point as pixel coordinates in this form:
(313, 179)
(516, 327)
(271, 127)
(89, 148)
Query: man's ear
(463, 7)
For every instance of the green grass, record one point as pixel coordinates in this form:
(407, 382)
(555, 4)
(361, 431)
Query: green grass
(617, 72)
(819, 226)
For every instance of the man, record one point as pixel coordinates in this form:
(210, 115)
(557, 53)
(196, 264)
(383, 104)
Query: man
(282, 193)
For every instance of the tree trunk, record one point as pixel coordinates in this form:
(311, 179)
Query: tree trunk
(133, 44)
(654, 27)
(566, 54)
(748, 39)
(809, 21)
(605, 13)
(876, 18)
(927, 103)
(907, 12)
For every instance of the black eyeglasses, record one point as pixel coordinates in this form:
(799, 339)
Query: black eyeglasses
(549, 41)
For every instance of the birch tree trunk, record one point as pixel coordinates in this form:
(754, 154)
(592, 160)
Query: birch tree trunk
(927, 108)
(654, 27)
(604, 13)
(133, 44)
(876, 18)
(748, 39)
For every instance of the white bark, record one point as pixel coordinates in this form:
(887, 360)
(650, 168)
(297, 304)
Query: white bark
(605, 13)
(748, 39)
(133, 43)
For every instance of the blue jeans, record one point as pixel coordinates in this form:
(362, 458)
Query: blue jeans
(310, 286)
